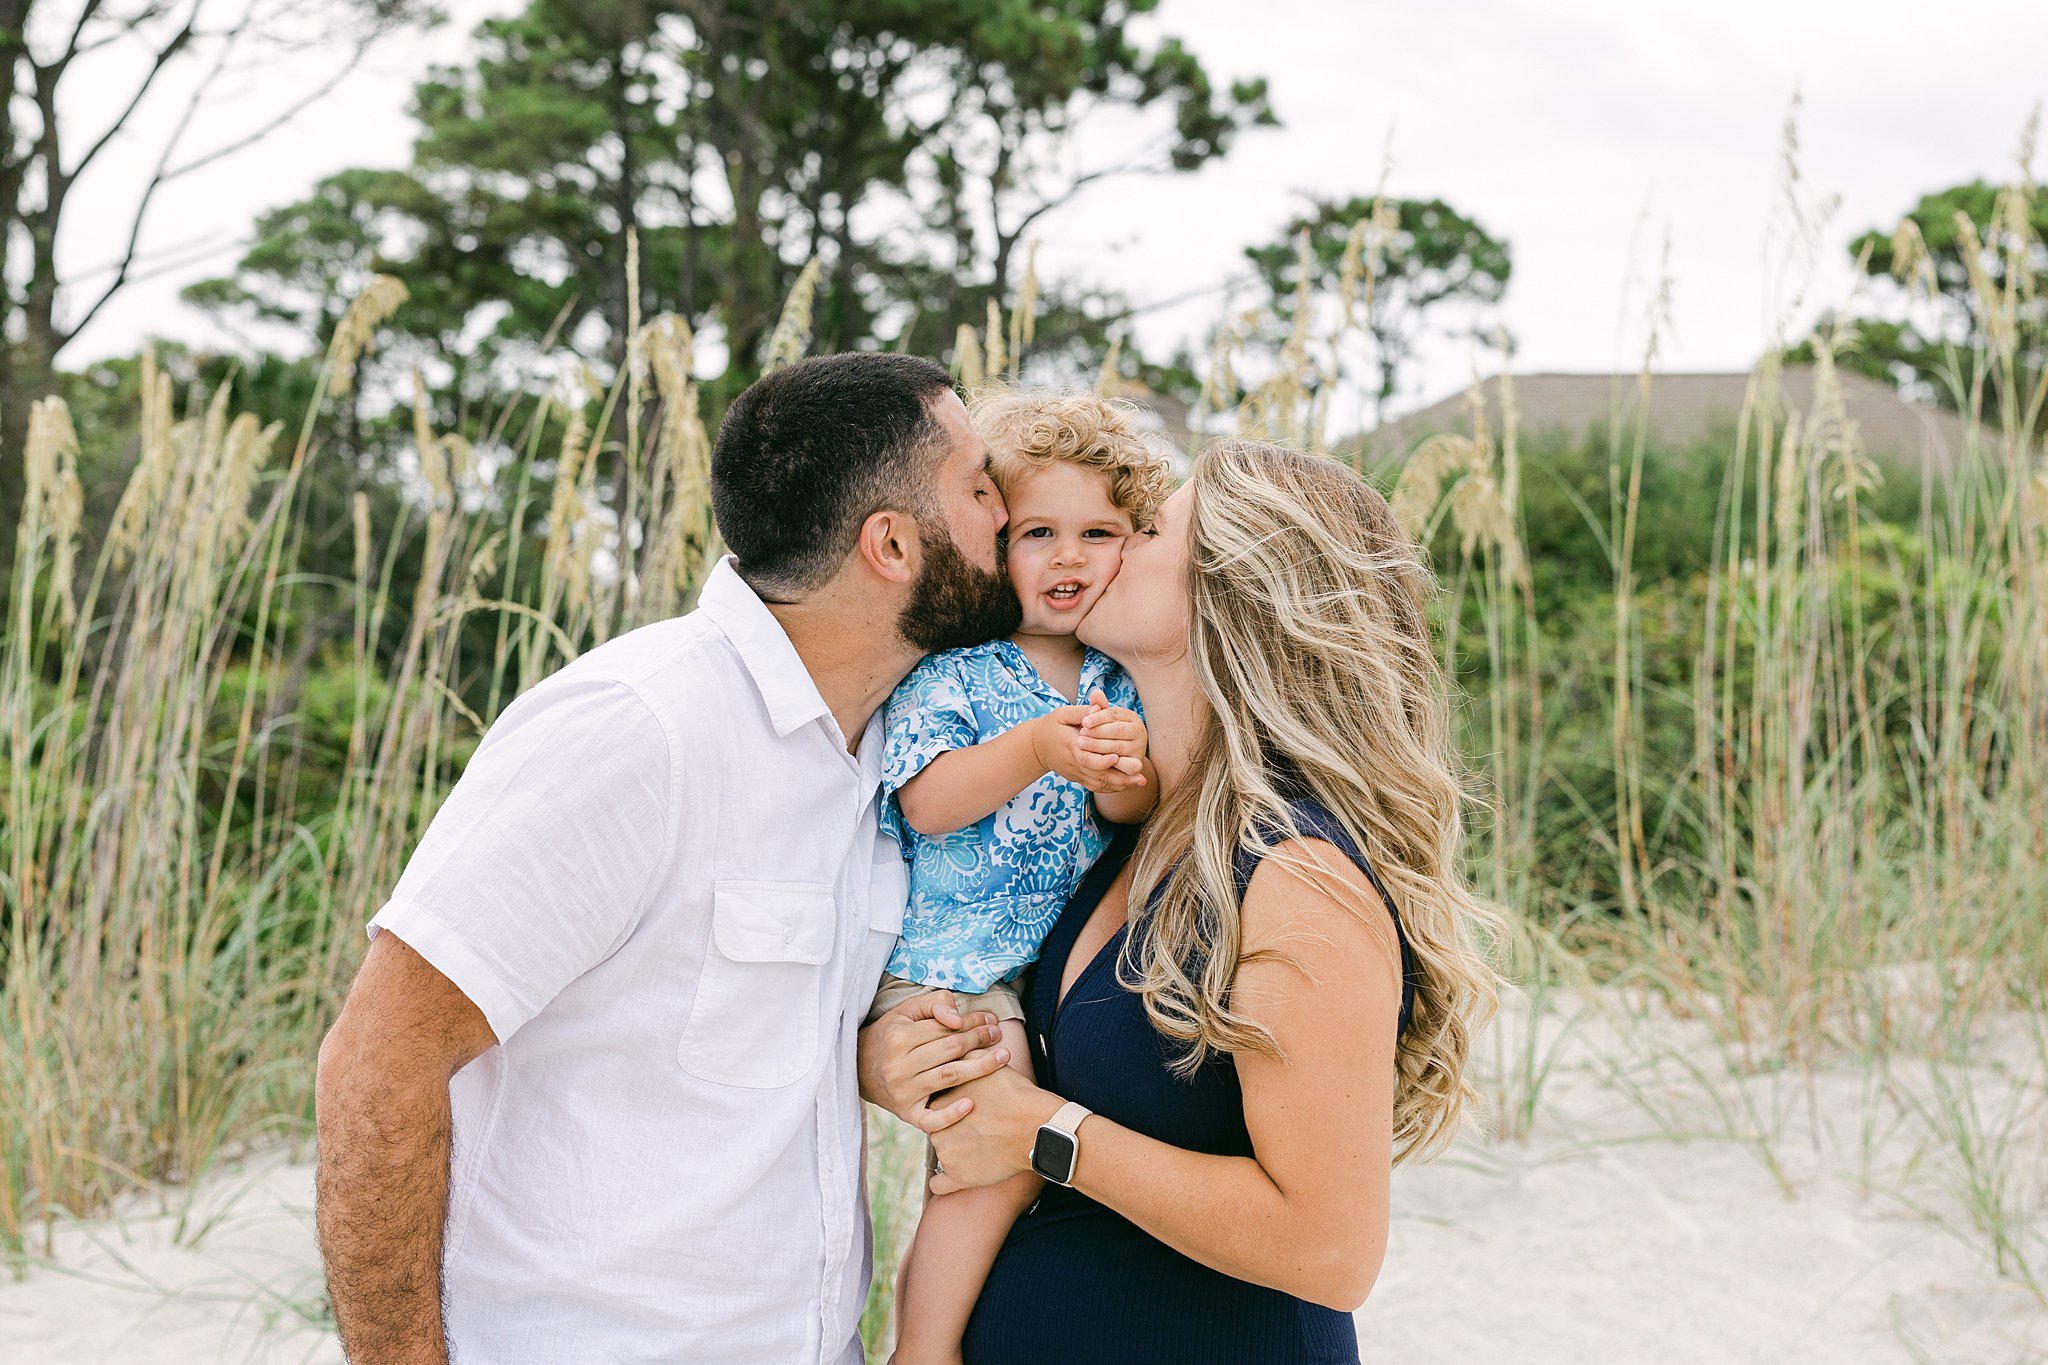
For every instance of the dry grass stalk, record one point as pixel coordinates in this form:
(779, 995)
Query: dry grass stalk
(1024, 317)
(177, 928)
(967, 363)
(357, 333)
(53, 502)
(1108, 382)
(792, 334)
(994, 357)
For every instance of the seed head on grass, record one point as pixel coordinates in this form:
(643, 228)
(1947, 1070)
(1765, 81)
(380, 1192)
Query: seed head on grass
(53, 502)
(1108, 383)
(994, 358)
(154, 467)
(357, 332)
(792, 334)
(1024, 318)
(967, 366)
(1477, 509)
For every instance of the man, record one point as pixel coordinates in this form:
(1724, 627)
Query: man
(592, 1095)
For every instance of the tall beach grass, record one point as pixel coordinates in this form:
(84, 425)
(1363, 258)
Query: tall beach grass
(1847, 858)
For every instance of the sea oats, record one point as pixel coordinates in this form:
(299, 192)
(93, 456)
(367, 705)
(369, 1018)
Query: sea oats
(1349, 270)
(357, 332)
(359, 515)
(566, 504)
(483, 562)
(967, 367)
(1993, 307)
(1024, 319)
(793, 330)
(1108, 382)
(1912, 263)
(154, 467)
(53, 501)
(992, 354)
(432, 455)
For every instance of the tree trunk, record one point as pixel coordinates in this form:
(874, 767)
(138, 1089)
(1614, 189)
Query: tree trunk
(687, 306)
(14, 364)
(844, 335)
(625, 204)
(750, 299)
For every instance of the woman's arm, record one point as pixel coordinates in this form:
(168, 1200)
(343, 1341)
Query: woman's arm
(1307, 1214)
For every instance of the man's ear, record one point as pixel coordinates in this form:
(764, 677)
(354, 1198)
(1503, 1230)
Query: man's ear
(889, 545)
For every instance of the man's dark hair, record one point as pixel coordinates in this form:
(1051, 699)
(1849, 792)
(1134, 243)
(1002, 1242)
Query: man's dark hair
(810, 451)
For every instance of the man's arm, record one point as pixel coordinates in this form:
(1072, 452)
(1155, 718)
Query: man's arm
(383, 1121)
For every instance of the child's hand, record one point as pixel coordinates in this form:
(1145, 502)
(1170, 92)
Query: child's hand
(1114, 730)
(1057, 740)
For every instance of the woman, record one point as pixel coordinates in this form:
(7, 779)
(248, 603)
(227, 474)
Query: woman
(1266, 998)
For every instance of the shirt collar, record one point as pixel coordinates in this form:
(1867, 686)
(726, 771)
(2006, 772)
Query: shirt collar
(778, 671)
(869, 758)
(1095, 666)
(1095, 669)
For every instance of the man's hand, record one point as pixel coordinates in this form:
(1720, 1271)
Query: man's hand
(384, 1124)
(924, 1046)
(1057, 743)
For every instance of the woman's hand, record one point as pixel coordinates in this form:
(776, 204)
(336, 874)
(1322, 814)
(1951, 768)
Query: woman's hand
(993, 1140)
(921, 1047)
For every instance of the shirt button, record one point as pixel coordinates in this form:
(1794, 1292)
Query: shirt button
(789, 935)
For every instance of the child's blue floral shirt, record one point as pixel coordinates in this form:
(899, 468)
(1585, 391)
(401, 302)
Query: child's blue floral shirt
(983, 898)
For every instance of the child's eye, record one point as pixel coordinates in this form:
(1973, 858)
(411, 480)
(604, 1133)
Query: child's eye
(1038, 531)
(1097, 533)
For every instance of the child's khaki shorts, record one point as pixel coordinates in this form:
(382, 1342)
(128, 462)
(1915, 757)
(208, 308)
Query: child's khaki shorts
(1001, 999)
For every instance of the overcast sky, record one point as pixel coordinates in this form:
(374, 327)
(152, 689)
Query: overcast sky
(1586, 132)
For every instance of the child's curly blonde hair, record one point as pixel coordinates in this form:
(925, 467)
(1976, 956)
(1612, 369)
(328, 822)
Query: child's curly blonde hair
(1031, 430)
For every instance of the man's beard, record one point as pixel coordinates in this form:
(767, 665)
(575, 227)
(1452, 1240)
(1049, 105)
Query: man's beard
(953, 604)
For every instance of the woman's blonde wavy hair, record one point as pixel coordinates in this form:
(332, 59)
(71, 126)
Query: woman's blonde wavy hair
(1028, 430)
(1309, 637)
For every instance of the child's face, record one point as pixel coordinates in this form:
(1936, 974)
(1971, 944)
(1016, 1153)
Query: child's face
(1066, 540)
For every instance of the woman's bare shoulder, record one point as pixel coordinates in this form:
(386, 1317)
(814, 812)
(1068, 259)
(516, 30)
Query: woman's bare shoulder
(1310, 905)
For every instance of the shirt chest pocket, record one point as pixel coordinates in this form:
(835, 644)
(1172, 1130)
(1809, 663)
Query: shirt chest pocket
(756, 1020)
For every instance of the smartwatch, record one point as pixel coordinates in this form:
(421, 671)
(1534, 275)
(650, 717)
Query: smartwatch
(1058, 1147)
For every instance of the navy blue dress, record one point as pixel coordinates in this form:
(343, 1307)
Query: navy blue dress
(1078, 1284)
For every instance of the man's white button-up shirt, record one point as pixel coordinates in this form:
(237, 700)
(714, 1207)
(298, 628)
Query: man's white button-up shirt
(661, 880)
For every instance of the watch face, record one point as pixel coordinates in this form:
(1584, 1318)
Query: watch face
(1052, 1156)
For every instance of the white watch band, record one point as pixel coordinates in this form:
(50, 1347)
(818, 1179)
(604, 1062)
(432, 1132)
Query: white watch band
(1069, 1117)
(1063, 1122)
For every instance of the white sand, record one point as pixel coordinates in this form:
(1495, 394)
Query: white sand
(1599, 1238)
(1612, 1234)
(223, 1273)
